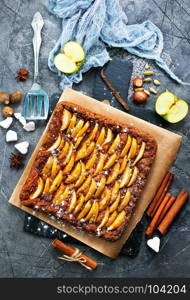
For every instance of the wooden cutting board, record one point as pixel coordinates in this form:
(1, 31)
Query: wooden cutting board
(168, 145)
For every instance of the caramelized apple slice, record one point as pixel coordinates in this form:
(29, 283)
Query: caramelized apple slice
(90, 148)
(72, 123)
(70, 165)
(73, 202)
(115, 204)
(93, 133)
(125, 177)
(101, 137)
(91, 190)
(105, 219)
(79, 204)
(69, 154)
(118, 221)
(111, 219)
(95, 213)
(85, 185)
(82, 176)
(81, 153)
(125, 201)
(78, 141)
(66, 193)
(110, 161)
(74, 174)
(100, 186)
(83, 129)
(55, 167)
(109, 137)
(57, 197)
(66, 119)
(114, 173)
(48, 166)
(115, 144)
(61, 144)
(77, 127)
(100, 164)
(64, 151)
(47, 186)
(114, 192)
(56, 144)
(90, 162)
(141, 153)
(133, 177)
(56, 182)
(133, 149)
(123, 165)
(105, 199)
(92, 211)
(38, 190)
(127, 146)
(85, 210)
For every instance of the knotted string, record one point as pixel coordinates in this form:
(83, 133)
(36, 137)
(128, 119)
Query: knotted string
(76, 256)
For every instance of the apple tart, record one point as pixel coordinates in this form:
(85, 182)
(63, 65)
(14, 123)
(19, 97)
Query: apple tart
(90, 171)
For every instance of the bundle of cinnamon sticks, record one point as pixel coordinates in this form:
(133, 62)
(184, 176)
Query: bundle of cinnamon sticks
(165, 207)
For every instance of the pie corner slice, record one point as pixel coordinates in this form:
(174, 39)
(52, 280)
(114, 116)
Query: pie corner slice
(90, 171)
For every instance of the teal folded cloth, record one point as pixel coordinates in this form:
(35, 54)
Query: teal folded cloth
(99, 23)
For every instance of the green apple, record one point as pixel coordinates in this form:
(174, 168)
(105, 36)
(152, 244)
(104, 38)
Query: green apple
(171, 108)
(70, 59)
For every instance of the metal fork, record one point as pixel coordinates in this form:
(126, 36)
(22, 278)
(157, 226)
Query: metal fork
(36, 102)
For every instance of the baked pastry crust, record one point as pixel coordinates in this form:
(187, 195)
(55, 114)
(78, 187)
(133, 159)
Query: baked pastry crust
(90, 171)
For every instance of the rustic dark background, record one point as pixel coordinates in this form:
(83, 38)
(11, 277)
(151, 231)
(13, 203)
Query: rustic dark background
(26, 255)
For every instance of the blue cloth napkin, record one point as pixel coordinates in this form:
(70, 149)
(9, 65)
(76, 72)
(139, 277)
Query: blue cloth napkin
(99, 23)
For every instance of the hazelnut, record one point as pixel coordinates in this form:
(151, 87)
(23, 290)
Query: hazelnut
(4, 98)
(140, 96)
(7, 111)
(15, 97)
(137, 82)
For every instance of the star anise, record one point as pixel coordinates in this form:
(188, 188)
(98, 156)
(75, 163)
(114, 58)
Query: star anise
(22, 74)
(16, 161)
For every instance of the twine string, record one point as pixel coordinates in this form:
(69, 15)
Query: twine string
(76, 256)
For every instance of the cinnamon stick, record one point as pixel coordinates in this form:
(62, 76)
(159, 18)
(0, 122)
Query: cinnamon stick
(116, 93)
(69, 251)
(174, 210)
(154, 221)
(166, 208)
(160, 194)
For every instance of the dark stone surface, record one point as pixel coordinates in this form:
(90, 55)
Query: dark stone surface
(26, 255)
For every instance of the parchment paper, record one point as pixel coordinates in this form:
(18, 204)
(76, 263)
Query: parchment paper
(168, 145)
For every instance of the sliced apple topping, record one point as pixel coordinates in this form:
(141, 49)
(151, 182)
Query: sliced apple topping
(110, 161)
(74, 174)
(66, 119)
(100, 163)
(123, 165)
(66, 193)
(133, 149)
(133, 177)
(72, 202)
(85, 210)
(47, 186)
(58, 195)
(79, 204)
(92, 212)
(64, 151)
(91, 190)
(61, 145)
(125, 177)
(115, 144)
(101, 136)
(93, 133)
(90, 162)
(48, 166)
(115, 204)
(81, 153)
(140, 154)
(111, 218)
(118, 221)
(104, 199)
(56, 144)
(127, 146)
(72, 123)
(85, 185)
(114, 173)
(105, 218)
(55, 167)
(70, 165)
(100, 186)
(69, 154)
(83, 129)
(125, 201)
(82, 176)
(114, 192)
(95, 213)
(39, 189)
(78, 141)
(77, 128)
(56, 182)
(109, 137)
